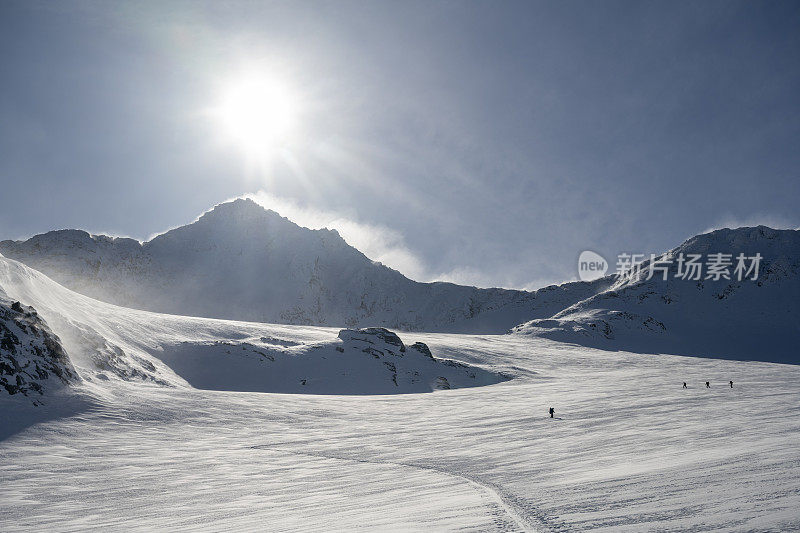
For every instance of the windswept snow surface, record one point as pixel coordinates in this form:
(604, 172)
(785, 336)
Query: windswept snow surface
(629, 449)
(358, 362)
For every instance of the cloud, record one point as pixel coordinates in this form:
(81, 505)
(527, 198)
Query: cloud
(377, 242)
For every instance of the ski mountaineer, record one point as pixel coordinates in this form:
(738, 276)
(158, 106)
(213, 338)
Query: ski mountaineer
(552, 412)
(708, 385)
(684, 385)
(731, 382)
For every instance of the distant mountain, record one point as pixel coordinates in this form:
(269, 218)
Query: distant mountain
(240, 261)
(726, 318)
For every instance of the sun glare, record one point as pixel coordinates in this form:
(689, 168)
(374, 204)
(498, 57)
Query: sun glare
(260, 114)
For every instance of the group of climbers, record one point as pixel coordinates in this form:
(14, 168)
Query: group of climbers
(708, 384)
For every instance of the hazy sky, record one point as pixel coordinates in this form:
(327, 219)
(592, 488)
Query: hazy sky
(483, 142)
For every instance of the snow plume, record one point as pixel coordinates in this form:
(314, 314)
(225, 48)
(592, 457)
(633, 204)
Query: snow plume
(464, 276)
(479, 278)
(771, 221)
(377, 242)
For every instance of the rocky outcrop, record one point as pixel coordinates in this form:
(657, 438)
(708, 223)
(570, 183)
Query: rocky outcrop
(370, 337)
(32, 358)
(411, 364)
(380, 342)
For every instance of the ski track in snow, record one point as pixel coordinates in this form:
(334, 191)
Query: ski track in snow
(501, 500)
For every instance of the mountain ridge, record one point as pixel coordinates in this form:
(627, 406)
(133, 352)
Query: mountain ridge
(727, 318)
(243, 262)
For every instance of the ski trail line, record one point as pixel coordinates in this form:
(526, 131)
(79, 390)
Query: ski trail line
(492, 491)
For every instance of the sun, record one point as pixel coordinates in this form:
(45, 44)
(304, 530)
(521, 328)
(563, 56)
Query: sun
(260, 114)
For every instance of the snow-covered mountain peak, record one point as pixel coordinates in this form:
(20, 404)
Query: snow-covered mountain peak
(242, 224)
(242, 261)
(664, 306)
(245, 211)
(241, 210)
(78, 240)
(776, 249)
(771, 243)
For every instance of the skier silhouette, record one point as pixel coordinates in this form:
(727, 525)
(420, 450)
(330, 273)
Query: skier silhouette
(684, 385)
(708, 385)
(552, 411)
(731, 382)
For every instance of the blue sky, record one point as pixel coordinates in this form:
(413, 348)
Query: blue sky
(487, 143)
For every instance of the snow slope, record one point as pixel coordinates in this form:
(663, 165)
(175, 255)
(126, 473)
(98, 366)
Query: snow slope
(106, 342)
(242, 262)
(365, 361)
(749, 319)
